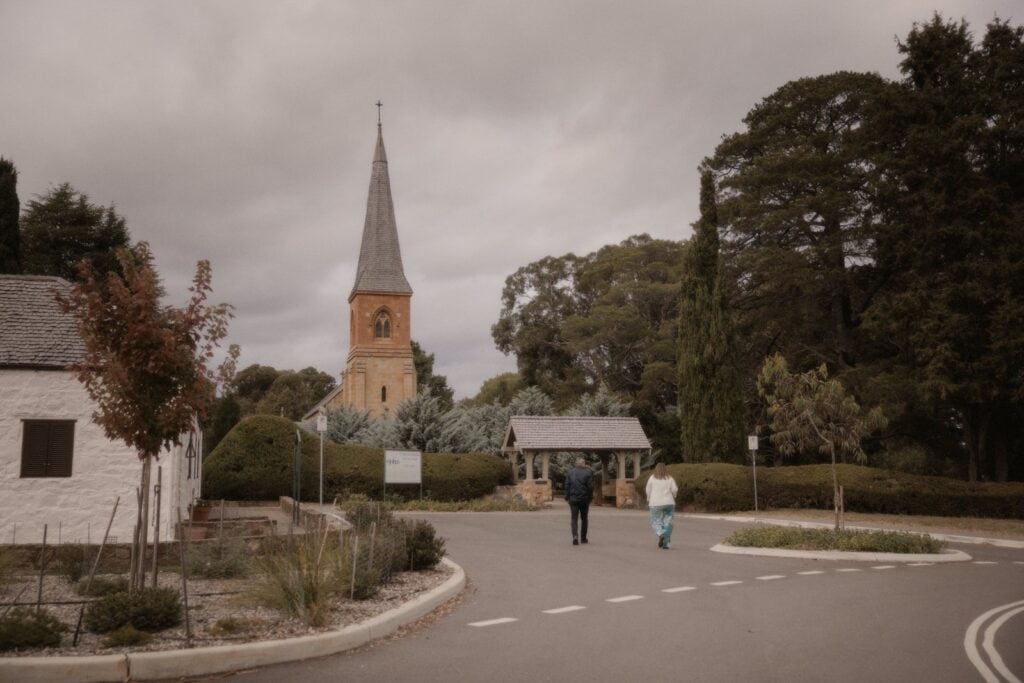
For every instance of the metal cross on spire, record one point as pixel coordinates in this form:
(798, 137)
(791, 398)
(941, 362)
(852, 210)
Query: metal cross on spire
(379, 105)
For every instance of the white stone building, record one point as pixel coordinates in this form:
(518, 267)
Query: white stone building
(57, 467)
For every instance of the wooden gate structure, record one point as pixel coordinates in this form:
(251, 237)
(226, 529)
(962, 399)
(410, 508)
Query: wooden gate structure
(532, 436)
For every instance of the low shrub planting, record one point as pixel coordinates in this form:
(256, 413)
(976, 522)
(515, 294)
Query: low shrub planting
(830, 539)
(126, 636)
(425, 548)
(24, 627)
(721, 487)
(221, 559)
(294, 576)
(150, 609)
(232, 626)
(102, 585)
(71, 561)
(254, 462)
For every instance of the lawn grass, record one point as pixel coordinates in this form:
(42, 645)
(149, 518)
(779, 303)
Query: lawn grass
(829, 539)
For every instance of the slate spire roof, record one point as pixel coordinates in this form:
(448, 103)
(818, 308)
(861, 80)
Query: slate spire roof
(34, 332)
(380, 259)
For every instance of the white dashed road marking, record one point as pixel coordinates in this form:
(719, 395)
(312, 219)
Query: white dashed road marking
(920, 564)
(726, 583)
(678, 589)
(625, 598)
(494, 622)
(848, 569)
(770, 577)
(984, 562)
(562, 610)
(885, 566)
(811, 573)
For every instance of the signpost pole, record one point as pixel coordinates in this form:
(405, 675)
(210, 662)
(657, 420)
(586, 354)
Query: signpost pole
(321, 426)
(752, 445)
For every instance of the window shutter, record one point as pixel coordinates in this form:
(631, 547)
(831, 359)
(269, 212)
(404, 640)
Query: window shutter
(47, 448)
(61, 447)
(33, 449)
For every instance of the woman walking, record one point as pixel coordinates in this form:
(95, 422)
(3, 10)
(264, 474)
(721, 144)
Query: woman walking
(661, 498)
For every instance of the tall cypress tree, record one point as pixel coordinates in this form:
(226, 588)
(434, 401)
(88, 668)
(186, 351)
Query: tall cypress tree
(710, 406)
(10, 238)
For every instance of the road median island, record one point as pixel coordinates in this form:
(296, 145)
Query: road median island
(223, 658)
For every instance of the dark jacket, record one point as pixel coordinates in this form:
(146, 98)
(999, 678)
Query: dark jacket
(579, 485)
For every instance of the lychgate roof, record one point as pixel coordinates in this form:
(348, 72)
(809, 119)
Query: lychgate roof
(534, 433)
(380, 259)
(34, 333)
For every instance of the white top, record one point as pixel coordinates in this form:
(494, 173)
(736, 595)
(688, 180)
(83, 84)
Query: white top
(661, 491)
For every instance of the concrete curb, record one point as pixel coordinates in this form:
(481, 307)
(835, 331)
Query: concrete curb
(222, 658)
(951, 538)
(944, 556)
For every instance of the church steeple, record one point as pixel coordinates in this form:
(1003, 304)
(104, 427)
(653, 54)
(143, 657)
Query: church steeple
(380, 259)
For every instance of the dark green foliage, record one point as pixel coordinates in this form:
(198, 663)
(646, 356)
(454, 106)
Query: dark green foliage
(126, 636)
(426, 380)
(103, 585)
(294, 393)
(365, 514)
(608, 318)
(720, 487)
(149, 609)
(224, 415)
(500, 388)
(23, 627)
(254, 462)
(10, 236)
(710, 401)
(62, 227)
(425, 548)
(827, 539)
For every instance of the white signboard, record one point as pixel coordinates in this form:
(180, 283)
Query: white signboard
(403, 467)
(321, 423)
(752, 443)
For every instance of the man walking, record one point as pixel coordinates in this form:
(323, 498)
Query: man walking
(579, 489)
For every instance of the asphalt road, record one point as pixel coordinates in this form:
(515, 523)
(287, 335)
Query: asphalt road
(619, 609)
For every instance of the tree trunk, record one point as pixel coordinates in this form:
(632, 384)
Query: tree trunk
(138, 578)
(976, 427)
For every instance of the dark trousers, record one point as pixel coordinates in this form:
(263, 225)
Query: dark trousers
(579, 511)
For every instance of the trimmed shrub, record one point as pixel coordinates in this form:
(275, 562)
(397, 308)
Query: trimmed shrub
(829, 539)
(24, 627)
(425, 548)
(720, 487)
(126, 636)
(254, 462)
(150, 609)
(103, 585)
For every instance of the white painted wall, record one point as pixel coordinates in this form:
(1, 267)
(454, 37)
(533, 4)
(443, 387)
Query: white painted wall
(76, 508)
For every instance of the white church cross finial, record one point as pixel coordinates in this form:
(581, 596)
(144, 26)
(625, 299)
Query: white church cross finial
(379, 105)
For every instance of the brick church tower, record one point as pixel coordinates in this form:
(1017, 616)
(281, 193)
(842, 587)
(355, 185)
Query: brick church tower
(379, 373)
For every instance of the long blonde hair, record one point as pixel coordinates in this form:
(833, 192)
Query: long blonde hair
(660, 471)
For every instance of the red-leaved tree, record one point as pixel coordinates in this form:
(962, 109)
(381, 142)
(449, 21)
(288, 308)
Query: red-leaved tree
(147, 366)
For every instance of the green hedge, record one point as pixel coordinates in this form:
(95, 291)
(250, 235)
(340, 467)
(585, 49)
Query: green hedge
(254, 462)
(720, 487)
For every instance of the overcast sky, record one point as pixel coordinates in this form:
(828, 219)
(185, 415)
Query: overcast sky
(243, 132)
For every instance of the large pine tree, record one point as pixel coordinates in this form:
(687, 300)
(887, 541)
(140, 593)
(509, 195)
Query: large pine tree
(710, 407)
(10, 238)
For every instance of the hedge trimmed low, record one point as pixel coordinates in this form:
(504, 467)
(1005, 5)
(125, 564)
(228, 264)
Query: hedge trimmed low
(720, 487)
(254, 462)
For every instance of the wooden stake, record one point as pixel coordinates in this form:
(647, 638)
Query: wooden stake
(184, 576)
(42, 568)
(95, 565)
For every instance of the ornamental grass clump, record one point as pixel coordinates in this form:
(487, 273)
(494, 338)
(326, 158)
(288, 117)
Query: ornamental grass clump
(222, 559)
(127, 636)
(295, 577)
(830, 539)
(102, 585)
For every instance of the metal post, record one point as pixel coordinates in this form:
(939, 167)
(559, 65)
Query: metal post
(753, 459)
(156, 529)
(297, 478)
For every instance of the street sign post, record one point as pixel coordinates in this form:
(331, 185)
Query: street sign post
(321, 426)
(752, 446)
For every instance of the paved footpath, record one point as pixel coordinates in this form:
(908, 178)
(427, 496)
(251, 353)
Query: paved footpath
(618, 609)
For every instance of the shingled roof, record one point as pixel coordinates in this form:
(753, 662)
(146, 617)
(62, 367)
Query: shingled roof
(533, 433)
(34, 333)
(380, 259)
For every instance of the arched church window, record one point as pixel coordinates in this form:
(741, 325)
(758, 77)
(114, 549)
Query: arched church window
(382, 326)
(384, 394)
